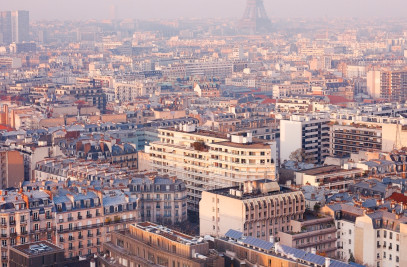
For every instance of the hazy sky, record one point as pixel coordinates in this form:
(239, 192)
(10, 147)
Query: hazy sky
(143, 9)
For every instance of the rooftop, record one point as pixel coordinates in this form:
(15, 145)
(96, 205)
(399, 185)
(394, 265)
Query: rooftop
(38, 248)
(169, 233)
(262, 189)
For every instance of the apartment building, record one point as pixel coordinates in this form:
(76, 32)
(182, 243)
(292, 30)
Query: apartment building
(79, 223)
(390, 85)
(308, 133)
(381, 239)
(239, 249)
(352, 138)
(312, 234)
(329, 177)
(206, 160)
(21, 220)
(344, 216)
(210, 90)
(147, 244)
(92, 95)
(369, 129)
(287, 89)
(260, 209)
(221, 69)
(11, 168)
(129, 92)
(164, 199)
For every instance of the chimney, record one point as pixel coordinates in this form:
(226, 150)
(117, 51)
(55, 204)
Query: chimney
(327, 262)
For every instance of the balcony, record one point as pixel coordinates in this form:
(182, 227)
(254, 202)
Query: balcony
(90, 245)
(23, 222)
(48, 217)
(12, 222)
(88, 215)
(61, 240)
(90, 235)
(80, 246)
(312, 233)
(71, 238)
(24, 233)
(61, 220)
(13, 234)
(98, 233)
(80, 236)
(71, 248)
(79, 217)
(3, 224)
(36, 219)
(70, 219)
(3, 235)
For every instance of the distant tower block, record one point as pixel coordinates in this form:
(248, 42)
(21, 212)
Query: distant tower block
(255, 19)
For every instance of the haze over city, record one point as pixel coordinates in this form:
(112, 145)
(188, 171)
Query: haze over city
(155, 9)
(192, 133)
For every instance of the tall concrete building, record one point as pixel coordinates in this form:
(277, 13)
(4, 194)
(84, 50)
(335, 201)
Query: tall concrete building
(310, 133)
(20, 26)
(390, 85)
(5, 27)
(207, 160)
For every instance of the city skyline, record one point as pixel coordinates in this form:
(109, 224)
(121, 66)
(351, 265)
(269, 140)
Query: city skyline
(79, 10)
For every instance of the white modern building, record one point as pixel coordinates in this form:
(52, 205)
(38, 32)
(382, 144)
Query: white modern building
(207, 160)
(307, 132)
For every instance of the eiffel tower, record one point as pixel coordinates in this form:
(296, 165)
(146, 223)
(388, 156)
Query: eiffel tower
(255, 19)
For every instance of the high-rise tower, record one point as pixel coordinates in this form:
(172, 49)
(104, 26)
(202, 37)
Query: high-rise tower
(5, 27)
(255, 18)
(20, 26)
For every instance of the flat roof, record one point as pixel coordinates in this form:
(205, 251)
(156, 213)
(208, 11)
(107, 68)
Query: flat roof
(255, 145)
(169, 233)
(38, 248)
(325, 170)
(226, 192)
